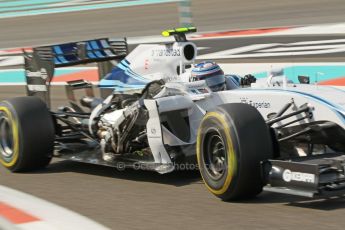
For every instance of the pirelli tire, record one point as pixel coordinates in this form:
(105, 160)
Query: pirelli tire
(232, 141)
(26, 134)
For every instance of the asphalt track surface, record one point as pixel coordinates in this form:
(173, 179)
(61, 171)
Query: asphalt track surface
(146, 200)
(151, 19)
(216, 45)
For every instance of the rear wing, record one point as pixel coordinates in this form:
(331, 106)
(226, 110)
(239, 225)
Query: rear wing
(42, 61)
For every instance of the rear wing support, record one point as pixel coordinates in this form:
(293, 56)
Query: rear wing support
(40, 64)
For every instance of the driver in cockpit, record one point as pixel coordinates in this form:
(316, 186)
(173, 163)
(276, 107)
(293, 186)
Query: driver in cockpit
(214, 76)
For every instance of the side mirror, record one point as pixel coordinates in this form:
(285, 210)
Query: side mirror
(304, 79)
(247, 80)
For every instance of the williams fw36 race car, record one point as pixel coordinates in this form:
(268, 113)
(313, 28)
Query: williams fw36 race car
(270, 135)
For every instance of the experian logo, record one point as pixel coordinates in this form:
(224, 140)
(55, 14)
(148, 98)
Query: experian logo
(289, 176)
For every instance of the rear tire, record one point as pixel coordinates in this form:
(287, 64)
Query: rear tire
(232, 141)
(26, 134)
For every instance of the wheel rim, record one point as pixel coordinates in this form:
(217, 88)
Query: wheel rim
(6, 137)
(215, 155)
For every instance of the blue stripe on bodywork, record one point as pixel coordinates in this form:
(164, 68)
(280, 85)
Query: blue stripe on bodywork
(339, 111)
(112, 83)
(125, 65)
(337, 107)
(122, 78)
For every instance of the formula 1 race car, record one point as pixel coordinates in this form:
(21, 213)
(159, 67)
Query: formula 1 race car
(280, 137)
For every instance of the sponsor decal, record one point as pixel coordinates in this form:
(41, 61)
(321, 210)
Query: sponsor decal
(289, 176)
(146, 64)
(256, 104)
(169, 52)
(37, 88)
(42, 74)
(153, 131)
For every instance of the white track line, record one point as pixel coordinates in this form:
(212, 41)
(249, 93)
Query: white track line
(52, 216)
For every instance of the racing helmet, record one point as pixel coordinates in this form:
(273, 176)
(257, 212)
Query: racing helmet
(211, 73)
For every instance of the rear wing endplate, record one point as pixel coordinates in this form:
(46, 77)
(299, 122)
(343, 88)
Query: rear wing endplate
(42, 61)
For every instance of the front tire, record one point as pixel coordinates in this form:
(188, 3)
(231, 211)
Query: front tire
(232, 141)
(26, 134)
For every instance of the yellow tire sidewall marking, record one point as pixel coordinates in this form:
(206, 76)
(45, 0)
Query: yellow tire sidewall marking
(232, 166)
(15, 136)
